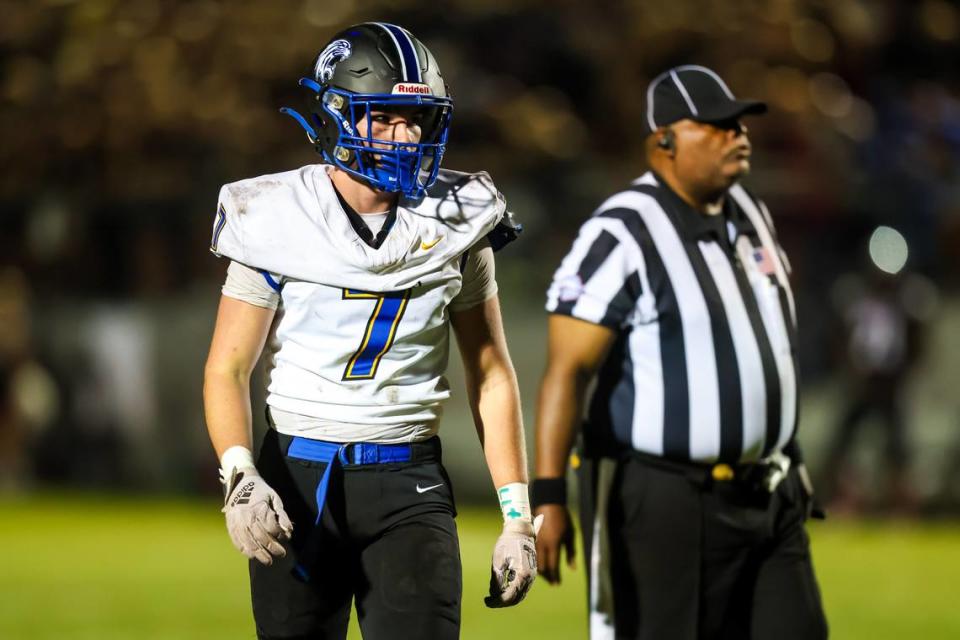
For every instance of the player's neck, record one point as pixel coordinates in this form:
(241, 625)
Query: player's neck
(359, 195)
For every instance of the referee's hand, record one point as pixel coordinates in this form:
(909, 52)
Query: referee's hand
(555, 534)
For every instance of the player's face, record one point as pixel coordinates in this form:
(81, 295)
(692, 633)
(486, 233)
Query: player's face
(401, 125)
(712, 155)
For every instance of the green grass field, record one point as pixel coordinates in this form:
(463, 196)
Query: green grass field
(87, 567)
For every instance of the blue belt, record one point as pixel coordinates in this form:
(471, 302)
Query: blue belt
(338, 454)
(335, 453)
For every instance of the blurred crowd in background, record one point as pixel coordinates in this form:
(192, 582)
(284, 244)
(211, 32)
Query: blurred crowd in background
(120, 119)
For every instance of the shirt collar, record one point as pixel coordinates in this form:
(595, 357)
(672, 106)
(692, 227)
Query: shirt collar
(356, 221)
(695, 226)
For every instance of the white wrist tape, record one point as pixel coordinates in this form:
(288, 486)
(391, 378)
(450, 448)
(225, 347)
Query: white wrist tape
(235, 458)
(514, 502)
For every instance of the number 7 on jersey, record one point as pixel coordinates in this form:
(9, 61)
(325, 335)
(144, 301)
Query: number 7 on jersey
(379, 334)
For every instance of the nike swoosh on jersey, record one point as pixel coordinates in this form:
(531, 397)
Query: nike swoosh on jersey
(426, 246)
(425, 489)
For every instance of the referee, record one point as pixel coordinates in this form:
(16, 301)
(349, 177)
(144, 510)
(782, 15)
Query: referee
(676, 298)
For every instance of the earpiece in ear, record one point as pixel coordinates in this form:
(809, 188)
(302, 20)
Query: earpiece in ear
(666, 141)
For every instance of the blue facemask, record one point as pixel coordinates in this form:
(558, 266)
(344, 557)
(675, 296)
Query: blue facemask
(397, 167)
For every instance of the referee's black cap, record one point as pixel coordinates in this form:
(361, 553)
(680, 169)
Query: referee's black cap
(694, 92)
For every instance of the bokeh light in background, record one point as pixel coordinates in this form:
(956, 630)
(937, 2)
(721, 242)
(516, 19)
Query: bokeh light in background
(888, 250)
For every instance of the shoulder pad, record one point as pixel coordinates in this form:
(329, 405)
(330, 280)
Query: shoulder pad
(242, 193)
(506, 231)
(470, 192)
(253, 202)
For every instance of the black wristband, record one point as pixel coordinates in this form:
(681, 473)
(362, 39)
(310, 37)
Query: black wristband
(549, 491)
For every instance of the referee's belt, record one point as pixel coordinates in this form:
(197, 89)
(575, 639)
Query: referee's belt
(764, 474)
(338, 455)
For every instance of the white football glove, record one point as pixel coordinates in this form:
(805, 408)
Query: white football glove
(514, 563)
(256, 521)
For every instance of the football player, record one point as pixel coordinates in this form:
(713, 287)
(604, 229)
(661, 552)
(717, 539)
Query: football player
(351, 272)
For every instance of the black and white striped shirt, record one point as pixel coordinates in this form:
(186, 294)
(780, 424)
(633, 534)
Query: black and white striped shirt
(704, 364)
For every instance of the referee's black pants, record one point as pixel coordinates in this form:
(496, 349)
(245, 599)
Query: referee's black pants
(684, 560)
(387, 539)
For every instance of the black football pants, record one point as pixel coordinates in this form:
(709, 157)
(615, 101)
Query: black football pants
(387, 539)
(695, 562)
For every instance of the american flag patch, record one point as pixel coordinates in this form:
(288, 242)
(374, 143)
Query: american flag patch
(764, 262)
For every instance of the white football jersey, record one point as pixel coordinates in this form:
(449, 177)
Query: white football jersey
(361, 339)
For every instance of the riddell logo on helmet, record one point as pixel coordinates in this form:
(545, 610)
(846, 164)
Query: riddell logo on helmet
(411, 87)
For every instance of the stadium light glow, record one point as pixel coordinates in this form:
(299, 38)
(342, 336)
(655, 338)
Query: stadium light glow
(888, 249)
